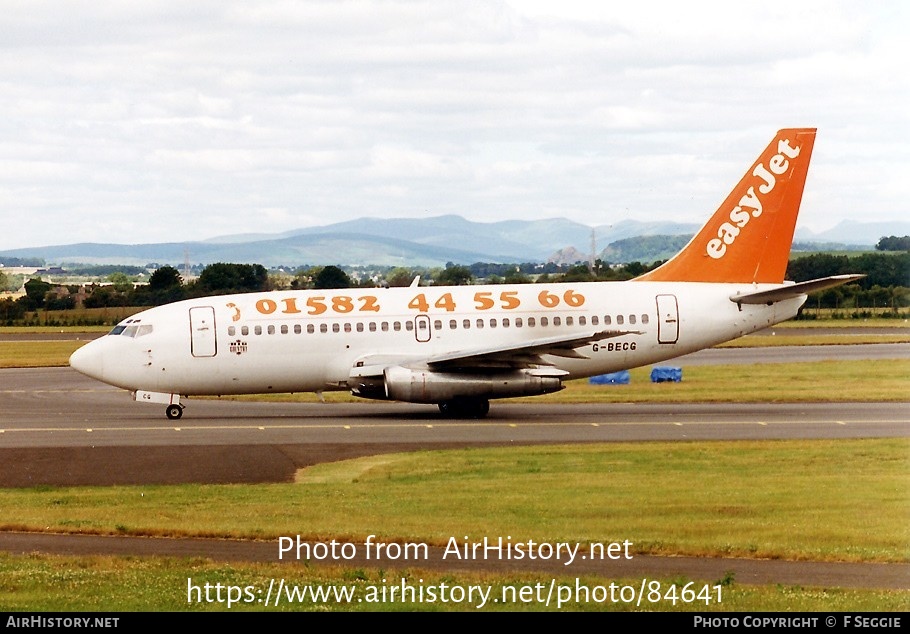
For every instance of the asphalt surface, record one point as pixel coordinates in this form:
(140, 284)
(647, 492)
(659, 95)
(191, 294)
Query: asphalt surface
(59, 428)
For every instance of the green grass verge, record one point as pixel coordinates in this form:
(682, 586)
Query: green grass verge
(812, 381)
(770, 341)
(826, 500)
(37, 354)
(44, 583)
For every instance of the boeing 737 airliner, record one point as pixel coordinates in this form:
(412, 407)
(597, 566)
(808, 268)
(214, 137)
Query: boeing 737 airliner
(459, 347)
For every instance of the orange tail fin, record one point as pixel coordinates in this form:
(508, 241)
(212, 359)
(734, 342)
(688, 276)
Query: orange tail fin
(749, 236)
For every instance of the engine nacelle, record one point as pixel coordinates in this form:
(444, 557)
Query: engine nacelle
(426, 386)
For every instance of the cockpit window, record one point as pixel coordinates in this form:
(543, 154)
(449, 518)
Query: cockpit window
(131, 330)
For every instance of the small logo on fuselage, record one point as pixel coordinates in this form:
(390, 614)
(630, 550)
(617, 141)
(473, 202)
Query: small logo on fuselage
(238, 347)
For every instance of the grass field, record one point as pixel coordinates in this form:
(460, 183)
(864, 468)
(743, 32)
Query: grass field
(789, 500)
(46, 583)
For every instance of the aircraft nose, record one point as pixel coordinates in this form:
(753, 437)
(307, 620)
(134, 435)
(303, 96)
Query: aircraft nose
(89, 361)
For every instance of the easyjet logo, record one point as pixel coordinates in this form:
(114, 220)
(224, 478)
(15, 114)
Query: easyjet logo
(750, 205)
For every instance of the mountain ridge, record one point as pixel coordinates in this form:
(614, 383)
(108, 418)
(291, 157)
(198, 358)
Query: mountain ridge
(432, 241)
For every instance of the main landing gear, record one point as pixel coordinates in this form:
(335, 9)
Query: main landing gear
(465, 408)
(174, 412)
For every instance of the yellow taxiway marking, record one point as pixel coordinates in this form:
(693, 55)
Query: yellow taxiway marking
(448, 425)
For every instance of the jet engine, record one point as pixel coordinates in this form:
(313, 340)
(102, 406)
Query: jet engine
(430, 386)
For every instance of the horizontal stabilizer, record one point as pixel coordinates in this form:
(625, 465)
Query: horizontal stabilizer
(794, 290)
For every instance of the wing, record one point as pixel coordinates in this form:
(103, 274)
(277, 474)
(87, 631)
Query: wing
(523, 355)
(515, 355)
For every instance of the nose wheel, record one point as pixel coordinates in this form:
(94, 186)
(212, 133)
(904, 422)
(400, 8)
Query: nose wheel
(174, 412)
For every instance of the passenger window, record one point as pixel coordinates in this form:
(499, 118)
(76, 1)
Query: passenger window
(466, 324)
(595, 320)
(257, 330)
(505, 322)
(360, 327)
(385, 326)
(569, 321)
(396, 326)
(297, 329)
(531, 322)
(582, 320)
(492, 323)
(644, 318)
(323, 328)
(607, 320)
(244, 330)
(557, 321)
(453, 324)
(347, 327)
(336, 328)
(619, 320)
(284, 329)
(231, 331)
(518, 322)
(544, 321)
(480, 323)
(310, 328)
(632, 319)
(372, 326)
(271, 329)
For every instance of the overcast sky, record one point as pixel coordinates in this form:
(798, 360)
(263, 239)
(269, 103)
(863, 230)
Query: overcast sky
(150, 120)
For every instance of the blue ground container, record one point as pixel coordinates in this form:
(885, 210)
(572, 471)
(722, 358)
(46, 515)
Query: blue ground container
(614, 378)
(665, 374)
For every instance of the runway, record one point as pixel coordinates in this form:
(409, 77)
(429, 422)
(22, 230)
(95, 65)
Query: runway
(57, 407)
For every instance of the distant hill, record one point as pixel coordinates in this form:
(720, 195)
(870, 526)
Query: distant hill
(645, 248)
(856, 234)
(430, 241)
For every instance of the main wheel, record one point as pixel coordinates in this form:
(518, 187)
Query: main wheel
(174, 412)
(465, 408)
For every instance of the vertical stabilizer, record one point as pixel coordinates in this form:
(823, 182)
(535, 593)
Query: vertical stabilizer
(748, 238)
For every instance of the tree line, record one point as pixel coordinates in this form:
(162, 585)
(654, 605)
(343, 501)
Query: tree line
(884, 287)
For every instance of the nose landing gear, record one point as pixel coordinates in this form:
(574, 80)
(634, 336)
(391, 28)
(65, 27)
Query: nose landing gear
(174, 409)
(174, 412)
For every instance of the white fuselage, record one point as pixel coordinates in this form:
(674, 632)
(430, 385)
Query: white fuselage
(309, 341)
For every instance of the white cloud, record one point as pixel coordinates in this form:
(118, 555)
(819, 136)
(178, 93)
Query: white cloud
(203, 114)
